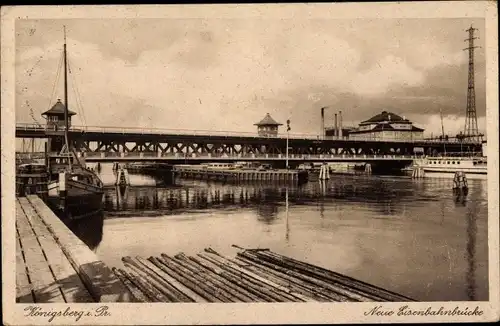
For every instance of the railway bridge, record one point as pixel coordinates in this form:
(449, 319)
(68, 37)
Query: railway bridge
(136, 144)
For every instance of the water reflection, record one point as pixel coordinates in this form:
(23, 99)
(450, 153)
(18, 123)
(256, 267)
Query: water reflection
(471, 219)
(384, 195)
(89, 229)
(287, 223)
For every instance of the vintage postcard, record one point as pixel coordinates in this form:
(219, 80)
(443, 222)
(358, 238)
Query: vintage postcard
(242, 164)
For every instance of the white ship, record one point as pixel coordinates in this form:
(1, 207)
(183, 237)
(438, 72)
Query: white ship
(444, 164)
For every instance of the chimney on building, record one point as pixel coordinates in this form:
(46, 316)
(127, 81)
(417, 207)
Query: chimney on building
(340, 124)
(335, 127)
(322, 122)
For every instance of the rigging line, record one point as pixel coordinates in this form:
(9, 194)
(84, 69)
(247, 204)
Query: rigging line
(77, 108)
(78, 97)
(79, 101)
(81, 105)
(30, 71)
(73, 88)
(58, 75)
(32, 114)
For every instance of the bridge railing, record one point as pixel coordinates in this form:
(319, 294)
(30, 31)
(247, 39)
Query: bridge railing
(208, 133)
(180, 156)
(242, 157)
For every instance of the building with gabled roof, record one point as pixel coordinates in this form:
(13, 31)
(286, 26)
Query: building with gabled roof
(55, 116)
(387, 125)
(267, 127)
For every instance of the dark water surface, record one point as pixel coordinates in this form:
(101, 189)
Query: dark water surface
(410, 236)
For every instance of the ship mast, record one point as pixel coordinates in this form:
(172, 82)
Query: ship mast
(442, 129)
(66, 119)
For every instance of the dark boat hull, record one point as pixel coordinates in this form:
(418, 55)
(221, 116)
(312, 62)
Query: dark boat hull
(76, 206)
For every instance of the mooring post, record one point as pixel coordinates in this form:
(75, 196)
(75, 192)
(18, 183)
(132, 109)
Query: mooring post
(324, 172)
(417, 172)
(460, 182)
(368, 168)
(122, 178)
(62, 191)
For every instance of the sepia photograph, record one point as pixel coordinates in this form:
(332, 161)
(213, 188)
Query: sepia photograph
(251, 154)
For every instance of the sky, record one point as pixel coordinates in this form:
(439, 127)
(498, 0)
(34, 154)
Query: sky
(226, 74)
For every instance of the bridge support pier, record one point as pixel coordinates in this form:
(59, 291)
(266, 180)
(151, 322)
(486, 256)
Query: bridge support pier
(368, 168)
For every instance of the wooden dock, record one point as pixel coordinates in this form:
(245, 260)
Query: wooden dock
(239, 174)
(53, 265)
(254, 275)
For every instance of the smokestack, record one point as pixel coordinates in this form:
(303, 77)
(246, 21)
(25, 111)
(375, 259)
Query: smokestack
(335, 127)
(340, 124)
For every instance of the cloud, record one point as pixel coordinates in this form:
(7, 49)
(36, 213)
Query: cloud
(452, 124)
(389, 72)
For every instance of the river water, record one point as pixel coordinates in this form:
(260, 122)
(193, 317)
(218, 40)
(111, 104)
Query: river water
(414, 237)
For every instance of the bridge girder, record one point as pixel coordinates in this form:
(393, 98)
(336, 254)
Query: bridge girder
(198, 144)
(231, 146)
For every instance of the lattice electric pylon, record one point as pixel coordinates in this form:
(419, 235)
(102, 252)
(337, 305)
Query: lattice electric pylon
(471, 129)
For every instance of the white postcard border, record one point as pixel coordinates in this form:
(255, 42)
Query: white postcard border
(132, 314)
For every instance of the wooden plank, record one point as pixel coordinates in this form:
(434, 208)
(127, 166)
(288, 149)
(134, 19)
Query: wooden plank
(23, 286)
(68, 279)
(23, 227)
(101, 282)
(36, 223)
(44, 285)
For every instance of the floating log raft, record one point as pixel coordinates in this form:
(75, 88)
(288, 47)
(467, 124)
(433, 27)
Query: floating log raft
(254, 275)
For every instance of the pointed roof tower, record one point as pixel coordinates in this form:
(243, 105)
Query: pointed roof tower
(267, 121)
(58, 109)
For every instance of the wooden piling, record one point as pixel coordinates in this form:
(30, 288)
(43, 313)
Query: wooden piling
(418, 172)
